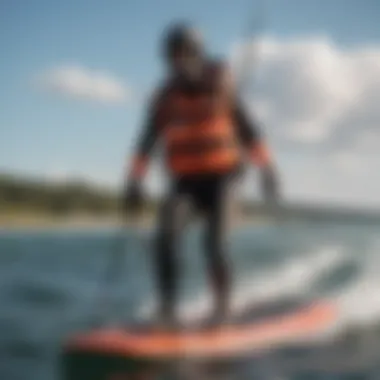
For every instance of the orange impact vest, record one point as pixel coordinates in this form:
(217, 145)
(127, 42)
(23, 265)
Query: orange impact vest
(199, 135)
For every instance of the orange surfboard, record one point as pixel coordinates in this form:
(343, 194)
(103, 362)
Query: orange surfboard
(234, 339)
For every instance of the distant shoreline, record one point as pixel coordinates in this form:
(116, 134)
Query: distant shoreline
(37, 203)
(41, 222)
(46, 221)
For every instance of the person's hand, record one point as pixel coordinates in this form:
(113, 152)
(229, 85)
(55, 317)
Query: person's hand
(270, 184)
(133, 199)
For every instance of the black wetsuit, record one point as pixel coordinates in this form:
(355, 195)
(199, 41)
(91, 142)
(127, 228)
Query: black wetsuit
(209, 194)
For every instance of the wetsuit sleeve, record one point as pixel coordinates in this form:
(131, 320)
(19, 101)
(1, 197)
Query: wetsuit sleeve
(248, 132)
(146, 141)
(250, 135)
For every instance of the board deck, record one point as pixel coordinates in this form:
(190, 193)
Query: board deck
(255, 329)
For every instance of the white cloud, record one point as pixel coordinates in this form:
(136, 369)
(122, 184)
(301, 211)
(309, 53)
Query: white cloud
(315, 92)
(320, 106)
(346, 161)
(307, 132)
(79, 82)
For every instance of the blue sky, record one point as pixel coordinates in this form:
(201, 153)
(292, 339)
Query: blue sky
(42, 132)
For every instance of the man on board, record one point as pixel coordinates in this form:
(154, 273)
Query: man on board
(207, 136)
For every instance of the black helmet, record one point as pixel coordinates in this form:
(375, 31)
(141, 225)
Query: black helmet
(182, 36)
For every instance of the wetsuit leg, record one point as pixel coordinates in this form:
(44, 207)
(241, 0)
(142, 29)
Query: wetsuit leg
(218, 198)
(172, 217)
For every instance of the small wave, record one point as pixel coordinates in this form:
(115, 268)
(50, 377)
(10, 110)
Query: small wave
(23, 349)
(359, 301)
(294, 278)
(38, 293)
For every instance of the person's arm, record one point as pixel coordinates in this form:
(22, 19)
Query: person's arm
(248, 132)
(133, 199)
(145, 143)
(250, 136)
(254, 143)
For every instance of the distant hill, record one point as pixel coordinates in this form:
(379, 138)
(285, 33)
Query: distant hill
(26, 195)
(36, 195)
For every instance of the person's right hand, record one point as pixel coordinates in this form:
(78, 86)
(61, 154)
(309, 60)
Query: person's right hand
(270, 185)
(133, 199)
